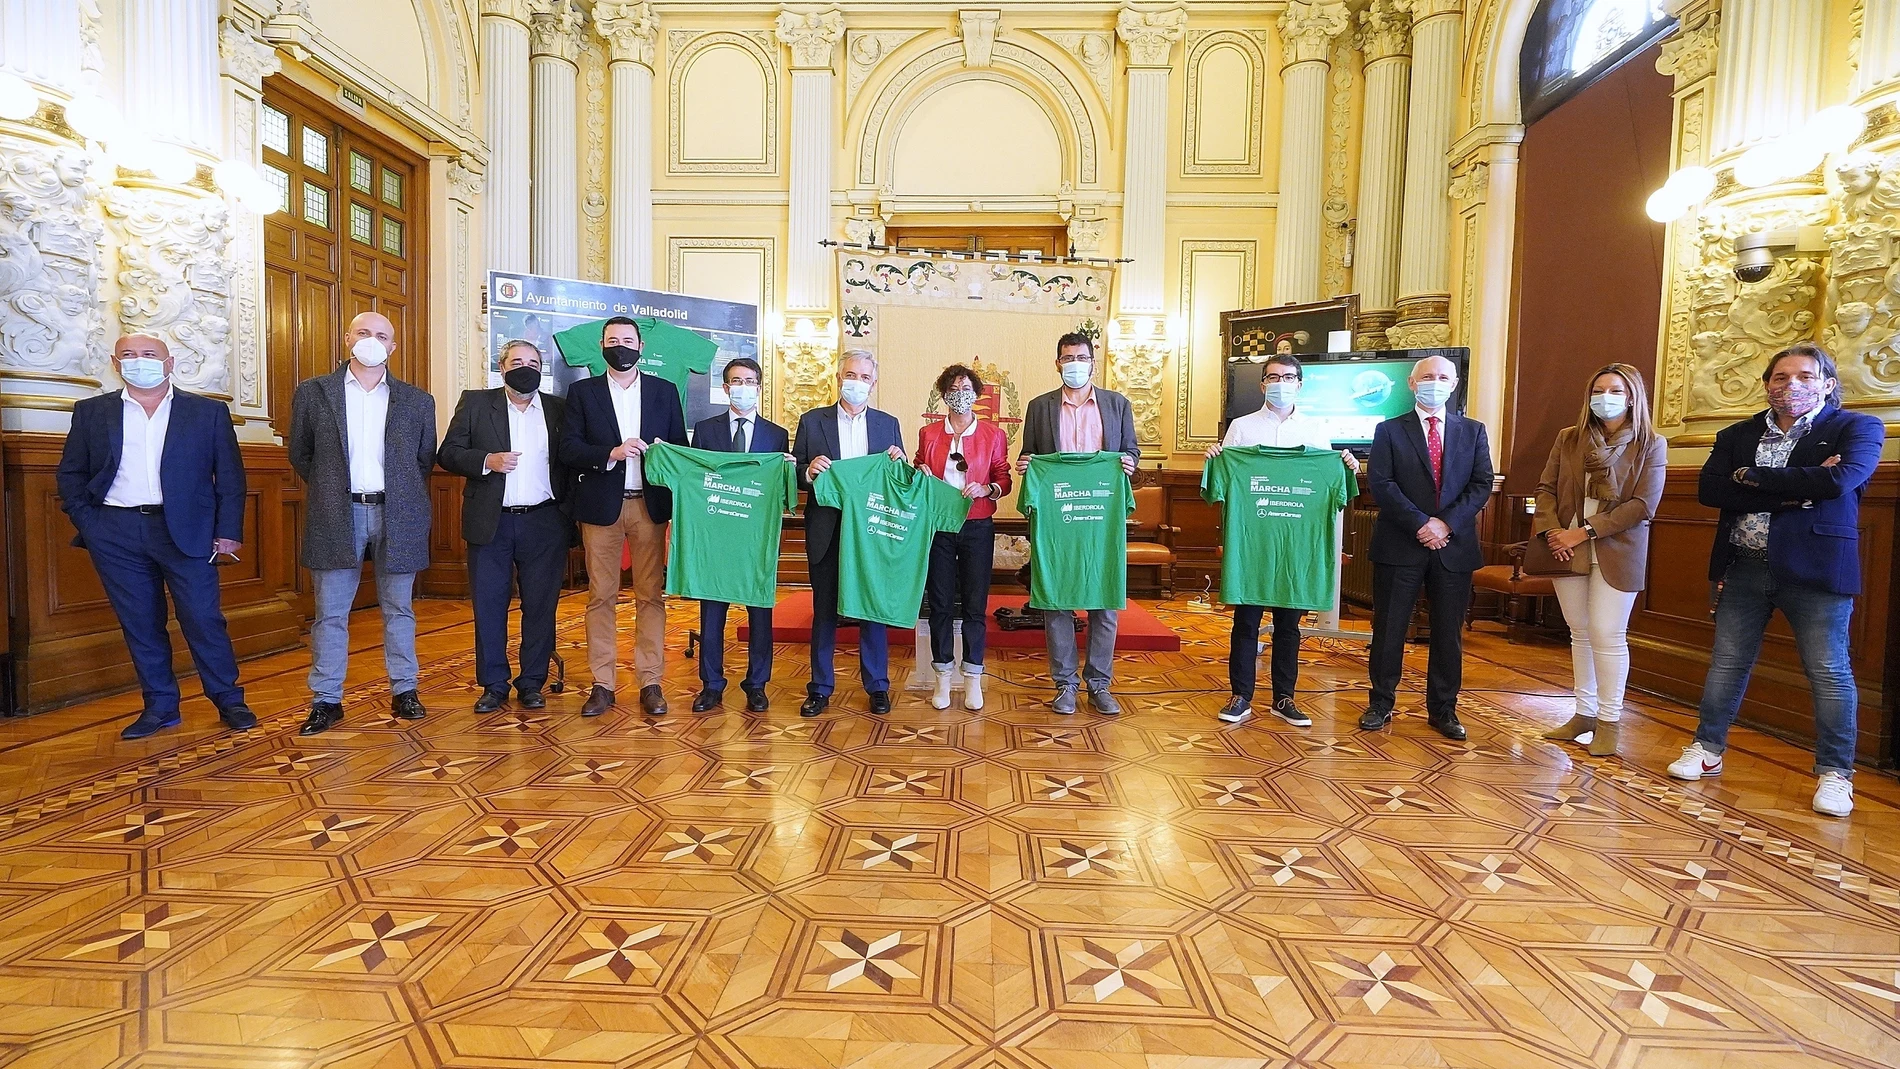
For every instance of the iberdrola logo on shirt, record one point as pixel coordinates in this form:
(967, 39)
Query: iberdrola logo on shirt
(887, 520)
(1266, 504)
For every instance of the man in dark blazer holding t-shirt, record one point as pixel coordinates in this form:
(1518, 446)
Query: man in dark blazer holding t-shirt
(844, 431)
(1431, 475)
(502, 441)
(151, 477)
(739, 429)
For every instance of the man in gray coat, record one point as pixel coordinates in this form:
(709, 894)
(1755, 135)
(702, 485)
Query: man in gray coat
(1080, 417)
(363, 444)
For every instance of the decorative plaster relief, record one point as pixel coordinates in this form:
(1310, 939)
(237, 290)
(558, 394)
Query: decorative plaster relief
(50, 319)
(1085, 236)
(174, 280)
(1738, 325)
(864, 50)
(1689, 55)
(1095, 52)
(1307, 29)
(1864, 274)
(631, 28)
(555, 29)
(246, 59)
(1150, 35)
(864, 230)
(978, 30)
(593, 63)
(1337, 210)
(1469, 186)
(810, 36)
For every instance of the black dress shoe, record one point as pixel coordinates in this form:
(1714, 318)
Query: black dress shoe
(880, 702)
(652, 700)
(151, 723)
(598, 702)
(1448, 726)
(492, 700)
(708, 699)
(323, 717)
(814, 704)
(238, 716)
(408, 706)
(755, 701)
(532, 699)
(1375, 719)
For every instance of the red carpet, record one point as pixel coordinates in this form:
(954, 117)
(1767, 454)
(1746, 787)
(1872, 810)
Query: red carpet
(791, 622)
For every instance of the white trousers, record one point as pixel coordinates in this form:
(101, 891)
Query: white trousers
(1599, 619)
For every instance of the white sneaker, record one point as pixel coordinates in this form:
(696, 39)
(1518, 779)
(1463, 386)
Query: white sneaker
(941, 699)
(973, 692)
(1696, 763)
(1834, 795)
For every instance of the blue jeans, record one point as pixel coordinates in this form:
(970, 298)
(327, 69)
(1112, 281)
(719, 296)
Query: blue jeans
(330, 631)
(1750, 596)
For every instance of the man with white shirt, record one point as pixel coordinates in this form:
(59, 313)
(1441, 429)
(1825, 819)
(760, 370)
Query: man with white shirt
(153, 482)
(363, 443)
(502, 442)
(609, 421)
(1280, 424)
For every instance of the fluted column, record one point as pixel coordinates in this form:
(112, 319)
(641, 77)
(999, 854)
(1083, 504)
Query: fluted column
(630, 30)
(554, 44)
(1774, 53)
(1149, 37)
(171, 72)
(1424, 306)
(1386, 35)
(247, 62)
(39, 41)
(1879, 47)
(507, 105)
(811, 36)
(1306, 33)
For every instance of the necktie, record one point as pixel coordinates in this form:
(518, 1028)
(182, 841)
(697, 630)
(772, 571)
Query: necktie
(744, 441)
(1435, 444)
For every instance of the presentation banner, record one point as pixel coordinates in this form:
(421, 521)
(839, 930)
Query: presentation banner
(534, 308)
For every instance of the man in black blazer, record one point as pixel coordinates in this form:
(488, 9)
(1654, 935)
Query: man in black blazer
(1431, 475)
(844, 431)
(739, 429)
(610, 419)
(151, 478)
(502, 441)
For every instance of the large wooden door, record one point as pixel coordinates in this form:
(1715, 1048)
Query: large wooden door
(352, 238)
(1046, 241)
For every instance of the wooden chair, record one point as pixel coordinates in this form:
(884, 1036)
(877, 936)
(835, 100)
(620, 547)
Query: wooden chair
(1151, 539)
(1509, 583)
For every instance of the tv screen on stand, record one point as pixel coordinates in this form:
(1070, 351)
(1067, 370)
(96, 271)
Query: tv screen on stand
(1351, 393)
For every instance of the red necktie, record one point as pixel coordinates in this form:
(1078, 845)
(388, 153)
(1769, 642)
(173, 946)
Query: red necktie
(1435, 444)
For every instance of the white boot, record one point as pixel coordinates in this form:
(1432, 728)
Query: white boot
(941, 699)
(973, 691)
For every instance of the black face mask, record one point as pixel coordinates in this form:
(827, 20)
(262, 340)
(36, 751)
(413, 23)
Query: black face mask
(620, 357)
(523, 380)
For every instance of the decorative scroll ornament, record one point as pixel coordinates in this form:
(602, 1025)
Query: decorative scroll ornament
(1085, 236)
(632, 29)
(978, 30)
(1469, 185)
(1095, 52)
(1307, 29)
(465, 179)
(1138, 373)
(50, 319)
(864, 230)
(810, 36)
(174, 280)
(246, 59)
(1386, 30)
(1150, 35)
(864, 50)
(1418, 335)
(555, 29)
(1689, 55)
(1864, 274)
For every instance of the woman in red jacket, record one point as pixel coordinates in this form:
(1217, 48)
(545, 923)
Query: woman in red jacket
(972, 455)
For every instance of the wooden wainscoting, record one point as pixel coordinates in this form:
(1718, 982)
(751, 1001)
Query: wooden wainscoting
(65, 638)
(447, 574)
(1671, 630)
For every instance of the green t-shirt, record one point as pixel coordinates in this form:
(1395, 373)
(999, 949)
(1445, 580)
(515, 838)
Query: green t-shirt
(892, 513)
(726, 550)
(667, 351)
(1078, 506)
(1278, 539)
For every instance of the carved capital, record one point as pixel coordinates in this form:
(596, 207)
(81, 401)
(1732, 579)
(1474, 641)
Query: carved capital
(1385, 30)
(517, 10)
(246, 59)
(978, 30)
(1150, 35)
(1689, 55)
(630, 28)
(465, 179)
(1420, 10)
(1085, 236)
(1307, 29)
(555, 30)
(810, 35)
(1469, 185)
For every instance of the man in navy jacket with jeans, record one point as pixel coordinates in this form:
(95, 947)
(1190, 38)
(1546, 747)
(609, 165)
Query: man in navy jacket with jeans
(1788, 482)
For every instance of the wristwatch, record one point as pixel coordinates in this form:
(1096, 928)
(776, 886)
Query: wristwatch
(1589, 530)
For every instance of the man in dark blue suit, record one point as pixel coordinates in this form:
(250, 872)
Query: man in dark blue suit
(1431, 475)
(1788, 482)
(610, 420)
(153, 482)
(844, 431)
(739, 429)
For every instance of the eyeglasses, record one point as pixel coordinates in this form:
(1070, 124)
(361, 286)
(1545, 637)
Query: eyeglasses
(1294, 377)
(962, 464)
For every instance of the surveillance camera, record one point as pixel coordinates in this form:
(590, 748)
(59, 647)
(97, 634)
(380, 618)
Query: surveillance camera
(1756, 253)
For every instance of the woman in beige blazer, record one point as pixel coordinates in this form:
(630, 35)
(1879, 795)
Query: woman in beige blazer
(1600, 488)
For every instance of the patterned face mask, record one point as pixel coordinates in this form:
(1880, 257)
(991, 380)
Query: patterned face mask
(1795, 399)
(962, 402)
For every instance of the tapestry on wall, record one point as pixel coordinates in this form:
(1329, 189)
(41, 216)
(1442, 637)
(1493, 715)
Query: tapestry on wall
(919, 314)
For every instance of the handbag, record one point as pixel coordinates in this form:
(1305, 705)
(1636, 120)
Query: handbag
(1541, 562)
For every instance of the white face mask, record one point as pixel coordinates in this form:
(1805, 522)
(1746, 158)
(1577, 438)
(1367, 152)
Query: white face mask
(743, 397)
(369, 352)
(1609, 405)
(1433, 393)
(1075, 374)
(855, 392)
(144, 372)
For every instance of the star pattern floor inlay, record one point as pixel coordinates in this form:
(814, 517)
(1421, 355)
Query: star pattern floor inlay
(1004, 889)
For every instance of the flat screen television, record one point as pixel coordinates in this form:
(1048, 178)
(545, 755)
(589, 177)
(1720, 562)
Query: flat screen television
(1350, 392)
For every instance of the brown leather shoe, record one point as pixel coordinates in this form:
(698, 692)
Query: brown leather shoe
(598, 702)
(652, 700)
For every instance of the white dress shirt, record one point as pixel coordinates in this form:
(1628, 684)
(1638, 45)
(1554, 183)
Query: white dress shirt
(366, 415)
(141, 451)
(627, 415)
(957, 441)
(1268, 427)
(751, 421)
(853, 433)
(527, 435)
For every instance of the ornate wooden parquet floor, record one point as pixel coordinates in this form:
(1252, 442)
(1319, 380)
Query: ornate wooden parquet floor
(1004, 889)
